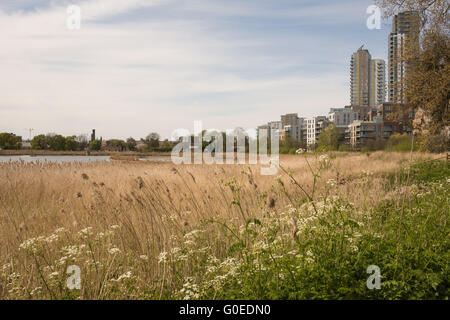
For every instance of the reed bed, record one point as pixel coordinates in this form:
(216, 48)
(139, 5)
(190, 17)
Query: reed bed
(120, 222)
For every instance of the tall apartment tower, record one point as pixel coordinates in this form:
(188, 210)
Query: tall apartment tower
(377, 94)
(359, 77)
(405, 27)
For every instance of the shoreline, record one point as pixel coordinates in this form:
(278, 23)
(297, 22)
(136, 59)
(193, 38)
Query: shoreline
(80, 153)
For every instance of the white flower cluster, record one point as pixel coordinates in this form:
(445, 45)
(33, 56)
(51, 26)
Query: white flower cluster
(190, 290)
(192, 234)
(324, 161)
(70, 253)
(162, 258)
(114, 251)
(85, 233)
(367, 173)
(331, 182)
(32, 244)
(126, 275)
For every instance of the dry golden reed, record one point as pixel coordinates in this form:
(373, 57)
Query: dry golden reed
(125, 214)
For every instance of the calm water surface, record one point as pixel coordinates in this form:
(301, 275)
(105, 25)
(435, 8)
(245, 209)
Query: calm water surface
(58, 159)
(62, 159)
(157, 159)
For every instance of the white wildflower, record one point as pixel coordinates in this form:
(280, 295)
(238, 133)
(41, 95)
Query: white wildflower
(52, 238)
(162, 258)
(36, 291)
(85, 232)
(126, 275)
(114, 250)
(32, 244)
(331, 182)
(192, 234)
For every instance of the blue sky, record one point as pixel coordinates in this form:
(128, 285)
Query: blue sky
(138, 66)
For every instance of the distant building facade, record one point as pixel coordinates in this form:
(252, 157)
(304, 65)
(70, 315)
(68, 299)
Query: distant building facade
(364, 112)
(367, 79)
(291, 124)
(359, 77)
(314, 127)
(362, 132)
(404, 115)
(377, 82)
(342, 117)
(405, 27)
(275, 125)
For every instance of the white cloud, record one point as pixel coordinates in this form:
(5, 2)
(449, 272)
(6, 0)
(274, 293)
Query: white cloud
(132, 78)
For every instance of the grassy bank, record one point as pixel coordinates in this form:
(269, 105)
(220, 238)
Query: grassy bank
(159, 231)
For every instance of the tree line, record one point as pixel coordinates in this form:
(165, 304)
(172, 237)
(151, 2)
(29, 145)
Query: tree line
(9, 141)
(57, 142)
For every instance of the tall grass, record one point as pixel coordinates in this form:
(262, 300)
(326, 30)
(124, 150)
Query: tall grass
(158, 231)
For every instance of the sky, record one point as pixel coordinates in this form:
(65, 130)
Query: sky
(141, 66)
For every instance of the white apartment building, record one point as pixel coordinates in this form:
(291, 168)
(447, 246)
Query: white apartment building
(377, 82)
(314, 127)
(342, 117)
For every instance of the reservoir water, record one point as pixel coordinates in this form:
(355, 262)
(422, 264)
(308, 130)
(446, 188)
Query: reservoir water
(58, 159)
(63, 159)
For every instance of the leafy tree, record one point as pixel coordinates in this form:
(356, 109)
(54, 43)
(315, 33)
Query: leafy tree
(288, 145)
(131, 144)
(167, 145)
(40, 142)
(329, 138)
(433, 143)
(82, 142)
(117, 145)
(10, 141)
(95, 145)
(427, 80)
(232, 138)
(56, 142)
(432, 13)
(71, 144)
(152, 140)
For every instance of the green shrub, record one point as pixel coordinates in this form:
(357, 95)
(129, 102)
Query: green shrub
(420, 172)
(321, 249)
(434, 143)
(400, 143)
(344, 147)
